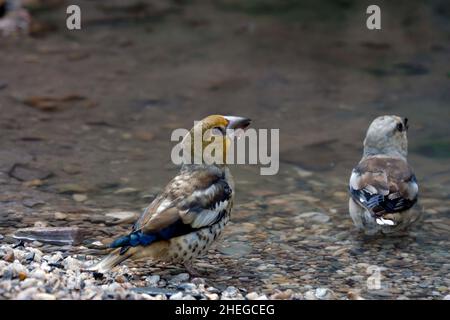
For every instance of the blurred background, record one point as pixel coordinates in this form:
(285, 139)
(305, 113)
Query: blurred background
(86, 115)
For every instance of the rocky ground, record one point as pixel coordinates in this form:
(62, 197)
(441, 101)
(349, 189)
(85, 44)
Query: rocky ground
(28, 273)
(304, 248)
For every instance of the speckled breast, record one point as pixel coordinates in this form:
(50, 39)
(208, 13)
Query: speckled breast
(195, 244)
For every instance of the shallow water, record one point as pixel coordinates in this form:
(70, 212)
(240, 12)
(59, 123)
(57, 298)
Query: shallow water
(321, 84)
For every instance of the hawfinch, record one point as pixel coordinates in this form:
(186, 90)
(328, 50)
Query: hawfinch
(189, 215)
(383, 187)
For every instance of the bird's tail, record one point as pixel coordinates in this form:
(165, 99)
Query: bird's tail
(113, 259)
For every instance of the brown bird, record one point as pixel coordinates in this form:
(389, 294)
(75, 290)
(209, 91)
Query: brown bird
(192, 211)
(383, 186)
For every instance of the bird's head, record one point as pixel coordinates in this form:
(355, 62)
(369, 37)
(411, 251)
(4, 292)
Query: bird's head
(387, 135)
(210, 139)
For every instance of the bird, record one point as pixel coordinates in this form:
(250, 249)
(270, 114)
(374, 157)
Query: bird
(383, 187)
(184, 220)
(14, 19)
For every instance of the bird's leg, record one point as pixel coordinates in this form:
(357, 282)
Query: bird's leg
(193, 271)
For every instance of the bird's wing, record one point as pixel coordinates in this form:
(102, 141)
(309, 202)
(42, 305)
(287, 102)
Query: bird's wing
(192, 200)
(384, 185)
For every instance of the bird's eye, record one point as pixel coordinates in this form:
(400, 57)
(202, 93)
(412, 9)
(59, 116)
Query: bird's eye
(218, 131)
(400, 127)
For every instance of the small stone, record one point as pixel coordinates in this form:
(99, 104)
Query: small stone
(310, 295)
(447, 297)
(27, 294)
(302, 173)
(187, 286)
(29, 257)
(126, 191)
(144, 135)
(317, 217)
(40, 224)
(324, 294)
(176, 296)
(44, 296)
(22, 275)
(27, 173)
(122, 216)
(54, 235)
(33, 183)
(60, 216)
(31, 203)
(213, 290)
(152, 280)
(182, 277)
(7, 274)
(252, 296)
(236, 250)
(38, 274)
(28, 283)
(198, 281)
(126, 135)
(154, 291)
(230, 292)
(120, 279)
(71, 169)
(72, 264)
(354, 295)
(55, 258)
(282, 295)
(9, 256)
(79, 197)
(70, 188)
(212, 296)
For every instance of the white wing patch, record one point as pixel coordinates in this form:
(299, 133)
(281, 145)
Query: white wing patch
(163, 206)
(384, 222)
(208, 216)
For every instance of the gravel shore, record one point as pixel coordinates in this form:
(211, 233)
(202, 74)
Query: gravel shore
(28, 273)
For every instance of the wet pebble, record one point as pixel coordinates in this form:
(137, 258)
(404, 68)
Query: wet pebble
(176, 296)
(324, 294)
(282, 295)
(122, 216)
(152, 280)
(182, 277)
(316, 217)
(126, 191)
(70, 188)
(252, 296)
(79, 197)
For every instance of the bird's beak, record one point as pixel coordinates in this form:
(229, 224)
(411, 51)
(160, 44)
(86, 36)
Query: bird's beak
(236, 123)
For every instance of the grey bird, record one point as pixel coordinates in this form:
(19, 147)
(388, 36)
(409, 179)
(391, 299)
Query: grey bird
(383, 187)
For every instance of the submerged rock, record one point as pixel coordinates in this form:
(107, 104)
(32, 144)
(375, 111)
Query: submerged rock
(53, 235)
